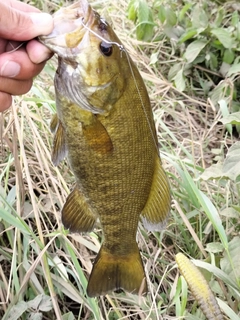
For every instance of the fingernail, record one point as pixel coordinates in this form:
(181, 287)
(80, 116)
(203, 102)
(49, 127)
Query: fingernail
(44, 21)
(42, 58)
(45, 57)
(10, 69)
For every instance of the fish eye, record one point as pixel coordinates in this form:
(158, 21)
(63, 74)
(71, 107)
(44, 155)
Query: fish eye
(106, 49)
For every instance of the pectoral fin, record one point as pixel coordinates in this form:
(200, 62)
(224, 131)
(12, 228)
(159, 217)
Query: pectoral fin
(77, 215)
(54, 123)
(97, 137)
(158, 204)
(59, 146)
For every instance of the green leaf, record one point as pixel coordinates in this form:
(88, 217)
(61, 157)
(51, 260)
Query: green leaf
(231, 165)
(235, 19)
(11, 197)
(35, 316)
(224, 109)
(214, 247)
(220, 274)
(228, 56)
(227, 310)
(162, 13)
(13, 221)
(213, 172)
(41, 302)
(224, 36)
(209, 208)
(171, 17)
(143, 11)
(132, 10)
(189, 34)
(199, 17)
(180, 81)
(233, 118)
(213, 61)
(17, 310)
(230, 213)
(218, 92)
(132, 13)
(145, 31)
(230, 168)
(224, 69)
(154, 58)
(219, 18)
(194, 49)
(230, 264)
(182, 13)
(172, 32)
(234, 69)
(68, 316)
(173, 71)
(214, 217)
(145, 22)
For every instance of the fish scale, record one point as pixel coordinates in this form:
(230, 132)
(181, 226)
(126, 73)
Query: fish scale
(104, 126)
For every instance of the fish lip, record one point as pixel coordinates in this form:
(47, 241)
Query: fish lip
(67, 21)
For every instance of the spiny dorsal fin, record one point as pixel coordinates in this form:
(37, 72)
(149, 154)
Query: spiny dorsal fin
(158, 204)
(97, 137)
(77, 215)
(59, 150)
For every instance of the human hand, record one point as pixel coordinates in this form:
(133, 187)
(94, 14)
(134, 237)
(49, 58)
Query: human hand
(20, 22)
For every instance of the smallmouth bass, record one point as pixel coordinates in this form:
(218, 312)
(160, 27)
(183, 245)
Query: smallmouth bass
(104, 125)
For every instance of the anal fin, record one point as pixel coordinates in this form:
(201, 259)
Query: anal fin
(158, 204)
(77, 215)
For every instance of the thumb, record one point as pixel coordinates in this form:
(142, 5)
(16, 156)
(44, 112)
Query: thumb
(22, 26)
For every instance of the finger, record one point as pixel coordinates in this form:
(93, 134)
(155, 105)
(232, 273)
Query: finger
(13, 45)
(37, 52)
(5, 101)
(15, 87)
(21, 26)
(3, 44)
(16, 4)
(6, 46)
(18, 65)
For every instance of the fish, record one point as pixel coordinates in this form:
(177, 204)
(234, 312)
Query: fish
(104, 126)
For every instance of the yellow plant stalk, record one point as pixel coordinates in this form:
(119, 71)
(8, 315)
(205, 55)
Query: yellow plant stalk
(199, 287)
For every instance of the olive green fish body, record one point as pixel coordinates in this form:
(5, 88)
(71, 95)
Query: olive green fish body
(105, 127)
(113, 180)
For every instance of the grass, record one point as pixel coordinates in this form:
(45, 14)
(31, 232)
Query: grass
(44, 270)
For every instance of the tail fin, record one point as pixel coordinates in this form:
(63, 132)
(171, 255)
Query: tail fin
(111, 272)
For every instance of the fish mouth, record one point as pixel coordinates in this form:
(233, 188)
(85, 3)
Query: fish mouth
(69, 29)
